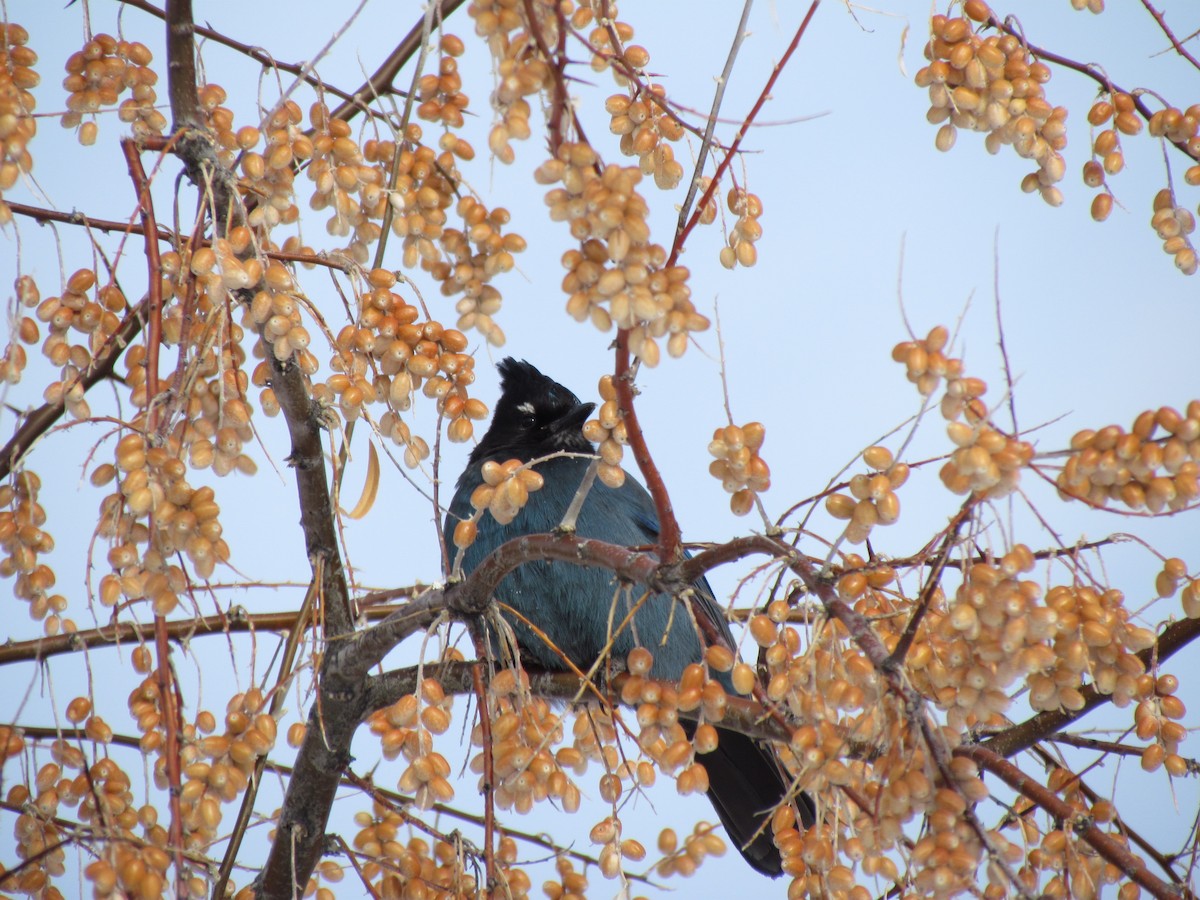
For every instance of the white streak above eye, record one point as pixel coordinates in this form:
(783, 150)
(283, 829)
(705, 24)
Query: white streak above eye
(526, 408)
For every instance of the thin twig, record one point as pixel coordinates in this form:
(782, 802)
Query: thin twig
(933, 581)
(255, 53)
(1162, 23)
(380, 82)
(763, 96)
(706, 142)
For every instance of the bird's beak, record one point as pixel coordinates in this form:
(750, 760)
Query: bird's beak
(572, 422)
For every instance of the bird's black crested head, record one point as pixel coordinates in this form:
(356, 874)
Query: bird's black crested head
(535, 416)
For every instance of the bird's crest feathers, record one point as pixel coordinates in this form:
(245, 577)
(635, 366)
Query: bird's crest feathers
(535, 416)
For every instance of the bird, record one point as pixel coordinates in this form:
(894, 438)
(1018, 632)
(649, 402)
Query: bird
(535, 417)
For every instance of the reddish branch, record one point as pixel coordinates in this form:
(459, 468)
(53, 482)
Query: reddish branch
(41, 215)
(154, 299)
(169, 702)
(1091, 70)
(1166, 29)
(1082, 826)
(557, 63)
(669, 533)
(668, 527)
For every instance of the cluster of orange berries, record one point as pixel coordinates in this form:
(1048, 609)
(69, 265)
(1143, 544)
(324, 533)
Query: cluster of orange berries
(98, 74)
(993, 85)
(1166, 583)
(425, 776)
(215, 420)
(219, 117)
(1107, 157)
(521, 69)
(645, 128)
(594, 740)
(608, 430)
(17, 124)
(780, 646)
(1092, 639)
(600, 41)
(274, 310)
(76, 311)
(269, 176)
(102, 792)
(738, 465)
(185, 520)
(993, 632)
(571, 885)
(697, 846)
(926, 364)
(1173, 224)
(407, 727)
(505, 490)
(948, 854)
(662, 737)
(441, 96)
(872, 500)
(464, 261)
(22, 541)
(986, 462)
(250, 732)
(133, 868)
(232, 263)
(1135, 467)
(388, 354)
(741, 249)
(607, 832)
(473, 257)
(39, 840)
(406, 868)
(524, 730)
(355, 189)
(1093, 6)
(999, 628)
(617, 275)
(1157, 716)
(1059, 850)
(830, 686)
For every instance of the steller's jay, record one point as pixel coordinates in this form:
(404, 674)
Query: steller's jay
(573, 605)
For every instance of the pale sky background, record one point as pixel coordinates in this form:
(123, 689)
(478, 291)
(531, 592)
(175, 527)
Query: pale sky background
(1098, 323)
